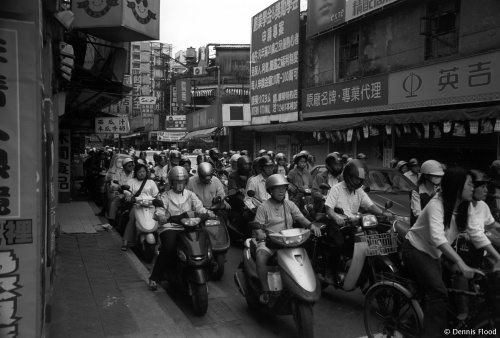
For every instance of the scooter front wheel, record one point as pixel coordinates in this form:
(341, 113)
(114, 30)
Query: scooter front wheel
(199, 298)
(303, 317)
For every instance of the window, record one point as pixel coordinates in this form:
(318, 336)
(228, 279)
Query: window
(136, 65)
(348, 55)
(440, 27)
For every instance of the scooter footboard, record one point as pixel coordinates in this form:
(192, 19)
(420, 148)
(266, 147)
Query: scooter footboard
(298, 291)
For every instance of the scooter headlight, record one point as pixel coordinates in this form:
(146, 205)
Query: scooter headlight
(191, 221)
(181, 255)
(212, 222)
(369, 221)
(292, 240)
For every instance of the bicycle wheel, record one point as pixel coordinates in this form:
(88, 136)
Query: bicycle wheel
(389, 312)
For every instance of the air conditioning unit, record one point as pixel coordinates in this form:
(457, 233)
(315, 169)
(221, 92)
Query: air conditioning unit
(198, 71)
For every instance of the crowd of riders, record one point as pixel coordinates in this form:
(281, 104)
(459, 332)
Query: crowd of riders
(447, 205)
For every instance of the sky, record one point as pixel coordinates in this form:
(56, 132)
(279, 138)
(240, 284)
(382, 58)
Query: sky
(196, 23)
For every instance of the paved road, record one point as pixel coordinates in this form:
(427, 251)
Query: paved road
(337, 314)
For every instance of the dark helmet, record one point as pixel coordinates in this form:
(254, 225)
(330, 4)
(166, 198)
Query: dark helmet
(358, 169)
(184, 160)
(262, 152)
(280, 156)
(275, 181)
(175, 155)
(242, 160)
(330, 160)
(413, 162)
(270, 153)
(362, 156)
(345, 158)
(214, 153)
(299, 156)
(201, 158)
(177, 173)
(205, 169)
(479, 178)
(160, 157)
(244, 152)
(265, 160)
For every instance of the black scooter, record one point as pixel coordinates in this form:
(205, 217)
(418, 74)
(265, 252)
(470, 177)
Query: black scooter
(194, 257)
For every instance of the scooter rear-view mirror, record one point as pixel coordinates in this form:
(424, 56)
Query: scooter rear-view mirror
(251, 193)
(324, 186)
(388, 204)
(338, 210)
(216, 200)
(157, 203)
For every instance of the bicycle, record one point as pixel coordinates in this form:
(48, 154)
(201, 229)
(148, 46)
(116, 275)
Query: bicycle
(393, 307)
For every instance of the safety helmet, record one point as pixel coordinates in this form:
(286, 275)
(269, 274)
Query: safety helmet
(265, 160)
(234, 158)
(262, 152)
(345, 158)
(224, 154)
(432, 167)
(330, 160)
(175, 155)
(478, 177)
(275, 181)
(401, 164)
(394, 162)
(244, 152)
(305, 152)
(413, 162)
(184, 151)
(214, 153)
(355, 169)
(270, 153)
(231, 153)
(280, 156)
(177, 173)
(205, 169)
(299, 156)
(362, 156)
(242, 160)
(127, 160)
(184, 160)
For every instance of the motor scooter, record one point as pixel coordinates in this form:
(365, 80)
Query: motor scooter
(219, 238)
(367, 239)
(193, 264)
(292, 281)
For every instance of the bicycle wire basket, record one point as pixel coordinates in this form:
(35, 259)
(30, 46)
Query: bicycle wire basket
(381, 244)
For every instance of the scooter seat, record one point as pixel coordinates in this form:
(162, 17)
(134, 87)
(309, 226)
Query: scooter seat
(401, 229)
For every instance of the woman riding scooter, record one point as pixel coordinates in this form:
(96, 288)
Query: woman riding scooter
(275, 214)
(176, 201)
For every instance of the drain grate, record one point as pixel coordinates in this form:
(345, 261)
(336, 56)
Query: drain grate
(218, 312)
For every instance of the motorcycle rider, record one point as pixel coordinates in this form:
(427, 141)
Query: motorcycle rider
(275, 214)
(225, 158)
(349, 196)
(427, 186)
(270, 153)
(122, 176)
(205, 185)
(214, 160)
(255, 167)
(233, 164)
(174, 157)
(300, 177)
(176, 201)
(238, 181)
(149, 189)
(414, 173)
(201, 158)
(262, 152)
(186, 163)
(398, 182)
(281, 166)
(258, 184)
(161, 162)
(333, 175)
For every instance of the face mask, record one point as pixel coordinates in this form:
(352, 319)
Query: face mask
(435, 180)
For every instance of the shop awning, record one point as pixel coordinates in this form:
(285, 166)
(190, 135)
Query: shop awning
(343, 123)
(237, 91)
(203, 92)
(200, 134)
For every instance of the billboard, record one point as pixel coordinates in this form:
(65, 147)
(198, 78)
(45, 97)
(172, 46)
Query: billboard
(326, 14)
(275, 61)
(176, 122)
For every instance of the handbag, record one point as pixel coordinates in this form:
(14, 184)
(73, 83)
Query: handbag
(129, 204)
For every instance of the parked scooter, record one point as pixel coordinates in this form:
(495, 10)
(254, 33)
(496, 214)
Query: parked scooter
(292, 281)
(194, 260)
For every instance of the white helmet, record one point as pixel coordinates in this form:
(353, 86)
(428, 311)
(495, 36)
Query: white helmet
(432, 167)
(235, 158)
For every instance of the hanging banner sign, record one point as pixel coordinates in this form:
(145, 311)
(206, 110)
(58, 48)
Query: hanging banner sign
(366, 131)
(388, 129)
(446, 127)
(349, 135)
(473, 127)
(426, 130)
(169, 136)
(111, 125)
(497, 125)
(486, 127)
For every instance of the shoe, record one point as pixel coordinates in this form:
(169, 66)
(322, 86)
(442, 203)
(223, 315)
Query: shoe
(264, 297)
(152, 285)
(124, 247)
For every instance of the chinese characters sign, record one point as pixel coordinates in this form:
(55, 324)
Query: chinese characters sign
(369, 91)
(323, 15)
(176, 122)
(183, 92)
(275, 59)
(466, 80)
(111, 125)
(64, 165)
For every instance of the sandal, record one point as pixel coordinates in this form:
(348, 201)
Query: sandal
(152, 285)
(264, 297)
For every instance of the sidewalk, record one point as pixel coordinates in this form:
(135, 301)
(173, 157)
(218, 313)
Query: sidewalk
(101, 291)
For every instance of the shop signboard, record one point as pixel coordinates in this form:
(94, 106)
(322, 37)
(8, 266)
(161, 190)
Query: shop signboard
(117, 21)
(324, 15)
(275, 63)
(166, 136)
(111, 125)
(183, 91)
(22, 238)
(352, 96)
(175, 122)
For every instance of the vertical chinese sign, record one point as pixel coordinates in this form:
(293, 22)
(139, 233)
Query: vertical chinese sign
(20, 176)
(64, 166)
(183, 92)
(275, 63)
